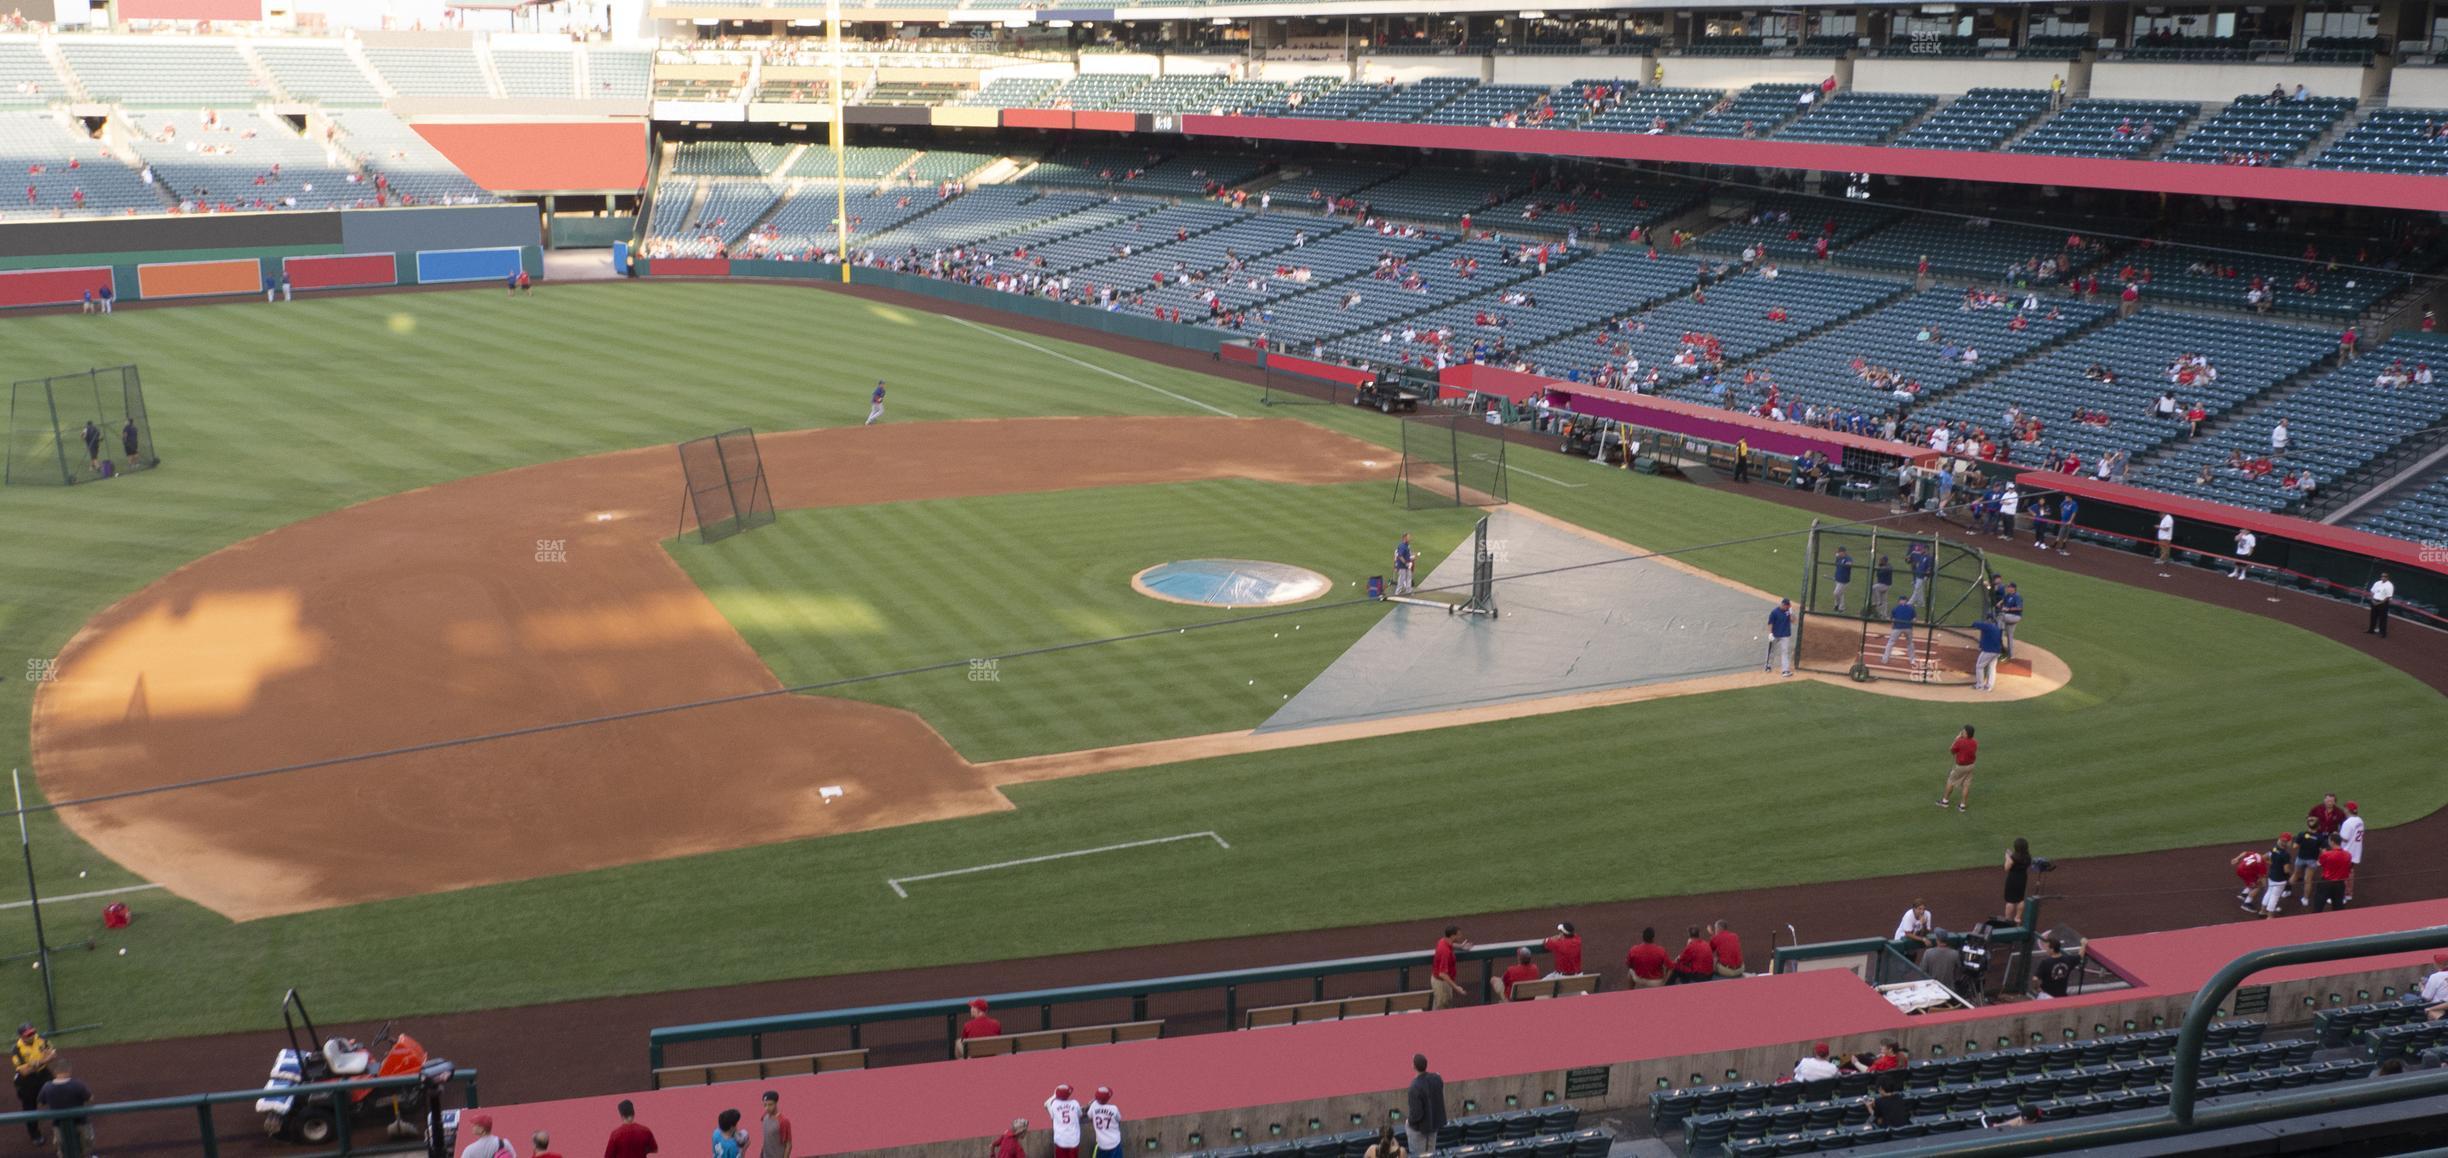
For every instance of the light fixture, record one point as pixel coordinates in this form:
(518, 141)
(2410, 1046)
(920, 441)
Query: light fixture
(1222, 22)
(1534, 14)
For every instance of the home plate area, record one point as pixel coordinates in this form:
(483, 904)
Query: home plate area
(1594, 628)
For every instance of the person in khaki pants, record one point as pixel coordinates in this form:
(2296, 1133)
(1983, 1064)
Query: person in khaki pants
(1443, 980)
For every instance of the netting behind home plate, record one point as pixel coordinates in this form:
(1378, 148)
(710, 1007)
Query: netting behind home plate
(1847, 628)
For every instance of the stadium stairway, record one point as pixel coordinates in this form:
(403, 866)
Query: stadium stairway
(59, 64)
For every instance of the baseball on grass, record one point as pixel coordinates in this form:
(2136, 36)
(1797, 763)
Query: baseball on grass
(80, 874)
(1253, 683)
(123, 952)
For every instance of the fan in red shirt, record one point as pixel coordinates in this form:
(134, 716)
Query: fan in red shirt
(2336, 865)
(1645, 966)
(1522, 969)
(2253, 869)
(1443, 982)
(2325, 816)
(1565, 946)
(1727, 949)
(1891, 1056)
(979, 1025)
(1697, 961)
(629, 1140)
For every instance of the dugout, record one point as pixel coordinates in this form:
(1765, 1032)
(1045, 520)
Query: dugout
(73, 428)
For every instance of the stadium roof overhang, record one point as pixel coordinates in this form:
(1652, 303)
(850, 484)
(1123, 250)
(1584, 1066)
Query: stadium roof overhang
(2316, 186)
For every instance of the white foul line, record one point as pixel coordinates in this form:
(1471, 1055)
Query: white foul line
(83, 896)
(1532, 473)
(897, 882)
(1018, 341)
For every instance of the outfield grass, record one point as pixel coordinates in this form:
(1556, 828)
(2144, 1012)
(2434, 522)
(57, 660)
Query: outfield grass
(838, 592)
(2184, 724)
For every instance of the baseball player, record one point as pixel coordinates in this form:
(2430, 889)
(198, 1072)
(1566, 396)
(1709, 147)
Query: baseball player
(2351, 833)
(1843, 575)
(1882, 577)
(1899, 630)
(1063, 1112)
(1403, 557)
(1106, 1119)
(875, 404)
(2010, 613)
(1780, 638)
(1920, 561)
(1992, 645)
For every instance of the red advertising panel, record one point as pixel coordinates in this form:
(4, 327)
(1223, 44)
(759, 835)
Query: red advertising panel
(52, 287)
(1347, 375)
(1111, 122)
(1036, 118)
(341, 271)
(690, 267)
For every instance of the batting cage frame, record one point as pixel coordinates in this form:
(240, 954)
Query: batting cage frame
(49, 443)
(1859, 641)
(724, 480)
(1450, 460)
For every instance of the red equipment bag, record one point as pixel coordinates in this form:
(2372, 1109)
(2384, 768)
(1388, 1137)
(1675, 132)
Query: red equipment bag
(115, 915)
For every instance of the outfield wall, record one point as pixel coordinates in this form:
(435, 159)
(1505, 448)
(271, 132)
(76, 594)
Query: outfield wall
(54, 263)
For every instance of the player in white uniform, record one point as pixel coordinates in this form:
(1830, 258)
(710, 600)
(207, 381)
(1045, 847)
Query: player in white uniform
(1106, 1119)
(2350, 834)
(1063, 1111)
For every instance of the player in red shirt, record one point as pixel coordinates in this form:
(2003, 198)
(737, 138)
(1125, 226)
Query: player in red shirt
(1565, 946)
(2336, 866)
(1727, 948)
(1645, 966)
(979, 1025)
(1443, 982)
(2253, 869)
(629, 1140)
(1697, 961)
(1522, 969)
(1965, 749)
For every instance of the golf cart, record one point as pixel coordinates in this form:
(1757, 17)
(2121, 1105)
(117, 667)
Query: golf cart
(1390, 395)
(314, 1118)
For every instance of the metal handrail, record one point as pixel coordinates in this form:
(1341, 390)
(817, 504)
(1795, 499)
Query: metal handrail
(1229, 980)
(203, 1103)
(2181, 1116)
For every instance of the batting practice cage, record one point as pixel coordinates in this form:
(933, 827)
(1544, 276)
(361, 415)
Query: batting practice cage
(1847, 628)
(77, 428)
(1450, 461)
(726, 485)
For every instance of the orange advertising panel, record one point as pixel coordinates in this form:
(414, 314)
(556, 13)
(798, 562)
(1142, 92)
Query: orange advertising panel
(589, 156)
(195, 279)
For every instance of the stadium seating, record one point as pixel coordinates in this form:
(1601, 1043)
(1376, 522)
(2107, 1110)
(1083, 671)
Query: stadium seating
(804, 219)
(2392, 141)
(2336, 423)
(1790, 228)
(1598, 209)
(696, 89)
(1977, 249)
(1325, 253)
(1413, 101)
(1295, 97)
(1345, 103)
(729, 207)
(1978, 120)
(27, 79)
(858, 163)
(1639, 110)
(2250, 358)
(540, 74)
(1087, 214)
(1732, 310)
(1241, 95)
(727, 158)
(1856, 118)
(1149, 231)
(912, 93)
(993, 211)
(415, 169)
(1094, 90)
(317, 70)
(1246, 238)
(618, 74)
(1818, 372)
(41, 139)
(2106, 128)
(1546, 1132)
(1331, 179)
(1373, 301)
(1755, 111)
(2421, 516)
(430, 72)
(939, 165)
(1141, 171)
(2274, 131)
(1485, 104)
(1012, 93)
(794, 92)
(1568, 298)
(244, 161)
(162, 73)
(2215, 267)
(1439, 195)
(1171, 94)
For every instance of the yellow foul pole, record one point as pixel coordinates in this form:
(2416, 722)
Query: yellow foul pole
(841, 162)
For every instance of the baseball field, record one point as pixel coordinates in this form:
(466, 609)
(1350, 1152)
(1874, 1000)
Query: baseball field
(388, 523)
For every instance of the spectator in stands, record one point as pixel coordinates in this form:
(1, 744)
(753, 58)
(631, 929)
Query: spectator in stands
(1943, 963)
(1565, 948)
(730, 1138)
(979, 1024)
(1698, 960)
(2434, 988)
(2027, 1114)
(478, 1129)
(2350, 834)
(775, 1130)
(1889, 1107)
(629, 1139)
(2056, 972)
(1728, 948)
(1386, 1145)
(1890, 1057)
(1816, 1067)
(540, 1145)
(1424, 1110)
(1645, 967)
(1444, 978)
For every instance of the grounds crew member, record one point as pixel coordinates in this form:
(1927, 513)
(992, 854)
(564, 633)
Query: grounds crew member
(30, 1059)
